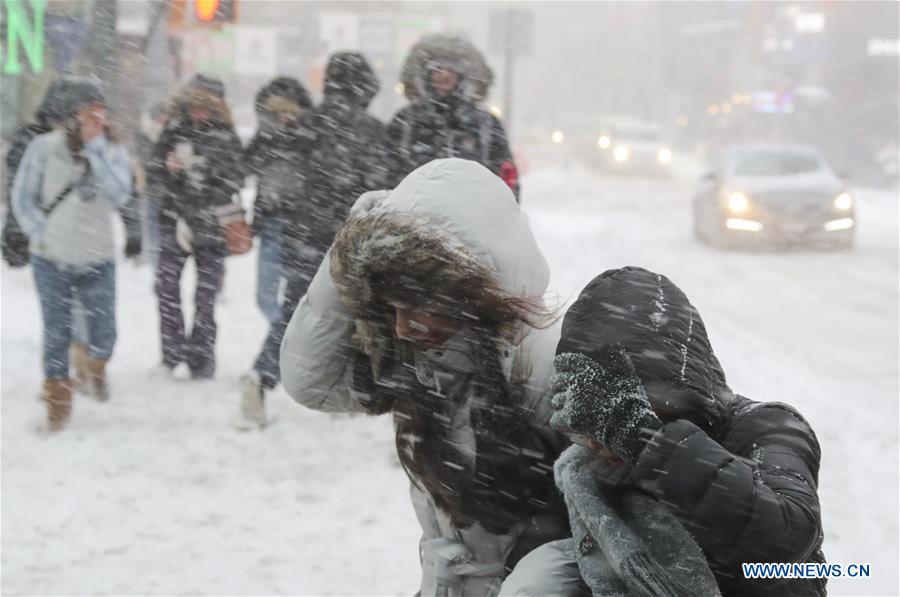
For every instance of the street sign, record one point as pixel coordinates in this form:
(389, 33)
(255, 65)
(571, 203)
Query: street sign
(256, 51)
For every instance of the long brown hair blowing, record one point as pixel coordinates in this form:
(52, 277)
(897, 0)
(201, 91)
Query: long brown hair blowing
(74, 141)
(385, 258)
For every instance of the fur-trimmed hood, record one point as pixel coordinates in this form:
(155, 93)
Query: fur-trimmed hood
(450, 228)
(461, 207)
(279, 93)
(201, 95)
(451, 51)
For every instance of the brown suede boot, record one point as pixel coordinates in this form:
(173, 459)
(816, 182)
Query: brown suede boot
(58, 398)
(78, 354)
(96, 376)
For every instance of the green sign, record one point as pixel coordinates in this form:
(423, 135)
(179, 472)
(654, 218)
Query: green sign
(29, 32)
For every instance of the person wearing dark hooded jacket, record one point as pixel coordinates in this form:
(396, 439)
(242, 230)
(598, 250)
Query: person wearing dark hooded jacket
(445, 78)
(275, 157)
(198, 161)
(678, 480)
(341, 156)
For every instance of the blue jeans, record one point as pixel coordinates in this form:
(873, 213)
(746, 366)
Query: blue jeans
(58, 285)
(268, 271)
(79, 322)
(300, 265)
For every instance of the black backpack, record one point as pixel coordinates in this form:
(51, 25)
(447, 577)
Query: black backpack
(14, 243)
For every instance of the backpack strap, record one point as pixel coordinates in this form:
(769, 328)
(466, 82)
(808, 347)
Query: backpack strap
(61, 196)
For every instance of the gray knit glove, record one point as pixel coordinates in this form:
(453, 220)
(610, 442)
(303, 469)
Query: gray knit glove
(607, 404)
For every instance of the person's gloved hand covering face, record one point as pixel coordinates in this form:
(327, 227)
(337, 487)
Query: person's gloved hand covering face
(607, 404)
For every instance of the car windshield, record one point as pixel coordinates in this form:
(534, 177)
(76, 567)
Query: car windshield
(776, 163)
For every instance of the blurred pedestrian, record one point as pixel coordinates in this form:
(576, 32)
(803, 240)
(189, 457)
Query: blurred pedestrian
(153, 121)
(342, 158)
(431, 308)
(678, 480)
(68, 183)
(446, 79)
(48, 117)
(198, 160)
(275, 157)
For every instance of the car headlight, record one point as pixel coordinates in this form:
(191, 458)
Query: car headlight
(738, 203)
(622, 153)
(603, 142)
(557, 137)
(664, 155)
(843, 201)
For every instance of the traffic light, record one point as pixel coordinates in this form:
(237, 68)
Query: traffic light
(215, 11)
(186, 14)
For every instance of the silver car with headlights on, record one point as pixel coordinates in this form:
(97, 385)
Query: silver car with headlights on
(773, 194)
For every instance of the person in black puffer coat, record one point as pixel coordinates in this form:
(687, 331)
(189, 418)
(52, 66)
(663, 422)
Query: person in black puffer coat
(198, 162)
(275, 157)
(446, 78)
(682, 480)
(342, 156)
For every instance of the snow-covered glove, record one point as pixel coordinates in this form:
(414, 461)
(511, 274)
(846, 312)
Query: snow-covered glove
(608, 404)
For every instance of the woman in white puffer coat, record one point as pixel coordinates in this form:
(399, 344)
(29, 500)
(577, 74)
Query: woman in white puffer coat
(429, 307)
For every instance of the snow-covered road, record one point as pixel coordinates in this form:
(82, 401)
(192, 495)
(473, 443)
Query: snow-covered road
(157, 493)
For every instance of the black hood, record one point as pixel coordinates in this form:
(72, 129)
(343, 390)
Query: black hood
(664, 336)
(286, 87)
(349, 77)
(65, 96)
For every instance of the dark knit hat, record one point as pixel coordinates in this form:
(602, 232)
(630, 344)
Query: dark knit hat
(68, 94)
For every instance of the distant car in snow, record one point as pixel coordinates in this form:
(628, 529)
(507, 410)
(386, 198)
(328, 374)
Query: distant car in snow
(773, 194)
(631, 146)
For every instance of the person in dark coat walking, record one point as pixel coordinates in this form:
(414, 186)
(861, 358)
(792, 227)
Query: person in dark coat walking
(153, 121)
(198, 159)
(446, 78)
(682, 480)
(274, 156)
(342, 156)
